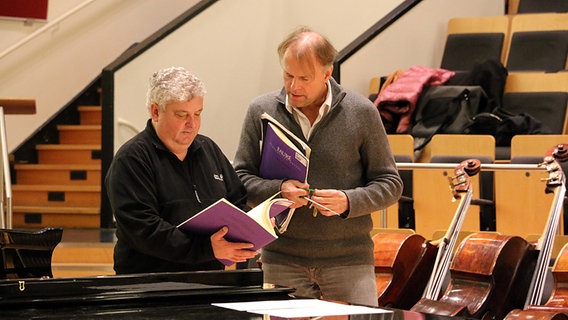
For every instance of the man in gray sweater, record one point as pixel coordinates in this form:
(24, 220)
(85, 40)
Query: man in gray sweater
(327, 251)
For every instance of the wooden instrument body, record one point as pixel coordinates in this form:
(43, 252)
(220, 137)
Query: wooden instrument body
(559, 296)
(556, 308)
(488, 278)
(403, 263)
(519, 314)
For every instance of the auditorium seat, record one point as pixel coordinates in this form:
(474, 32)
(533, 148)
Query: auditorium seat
(431, 189)
(541, 6)
(538, 51)
(536, 82)
(542, 95)
(547, 107)
(522, 206)
(472, 40)
(538, 42)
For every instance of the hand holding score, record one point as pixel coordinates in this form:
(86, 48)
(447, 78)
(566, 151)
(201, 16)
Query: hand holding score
(233, 251)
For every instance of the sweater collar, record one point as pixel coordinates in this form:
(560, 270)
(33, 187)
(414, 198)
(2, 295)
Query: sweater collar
(158, 144)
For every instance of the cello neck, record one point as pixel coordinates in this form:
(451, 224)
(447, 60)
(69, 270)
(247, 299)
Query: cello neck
(555, 184)
(460, 185)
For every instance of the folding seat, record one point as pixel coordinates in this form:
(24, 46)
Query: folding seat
(543, 96)
(542, 6)
(538, 42)
(431, 189)
(538, 51)
(547, 107)
(474, 40)
(522, 206)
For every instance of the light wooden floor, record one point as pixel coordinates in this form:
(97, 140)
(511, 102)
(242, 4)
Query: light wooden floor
(84, 252)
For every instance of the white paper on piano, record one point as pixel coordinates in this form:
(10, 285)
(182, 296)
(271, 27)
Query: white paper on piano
(295, 308)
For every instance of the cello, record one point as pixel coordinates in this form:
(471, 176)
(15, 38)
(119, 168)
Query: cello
(404, 262)
(557, 305)
(486, 278)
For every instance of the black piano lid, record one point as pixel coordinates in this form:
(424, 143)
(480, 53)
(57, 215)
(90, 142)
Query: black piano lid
(26, 293)
(184, 295)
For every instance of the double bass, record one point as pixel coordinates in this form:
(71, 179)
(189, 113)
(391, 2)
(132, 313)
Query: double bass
(404, 262)
(557, 305)
(486, 278)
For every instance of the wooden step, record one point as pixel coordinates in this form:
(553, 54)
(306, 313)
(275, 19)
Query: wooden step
(69, 153)
(53, 174)
(90, 114)
(56, 195)
(44, 216)
(79, 134)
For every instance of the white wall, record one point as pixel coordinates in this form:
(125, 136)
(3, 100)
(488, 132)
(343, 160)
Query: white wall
(13, 30)
(232, 47)
(57, 65)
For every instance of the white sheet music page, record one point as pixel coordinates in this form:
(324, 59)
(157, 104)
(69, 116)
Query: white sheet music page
(296, 308)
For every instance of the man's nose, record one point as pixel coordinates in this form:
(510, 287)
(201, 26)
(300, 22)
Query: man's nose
(190, 122)
(293, 84)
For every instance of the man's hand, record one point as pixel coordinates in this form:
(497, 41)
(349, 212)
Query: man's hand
(233, 251)
(332, 199)
(295, 190)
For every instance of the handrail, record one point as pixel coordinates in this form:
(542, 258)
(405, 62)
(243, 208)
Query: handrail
(128, 124)
(43, 29)
(370, 34)
(107, 76)
(6, 218)
(484, 166)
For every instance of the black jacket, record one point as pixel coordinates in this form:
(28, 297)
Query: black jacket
(151, 191)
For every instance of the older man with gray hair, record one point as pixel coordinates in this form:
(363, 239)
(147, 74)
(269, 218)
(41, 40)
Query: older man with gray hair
(166, 174)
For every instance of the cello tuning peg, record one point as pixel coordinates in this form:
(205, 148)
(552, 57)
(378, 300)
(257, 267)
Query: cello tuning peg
(561, 153)
(472, 166)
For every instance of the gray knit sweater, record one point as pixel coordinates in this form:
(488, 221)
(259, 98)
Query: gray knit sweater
(350, 152)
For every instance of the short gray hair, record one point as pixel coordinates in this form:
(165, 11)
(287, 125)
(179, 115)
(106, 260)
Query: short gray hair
(173, 84)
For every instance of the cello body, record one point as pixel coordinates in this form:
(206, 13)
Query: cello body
(402, 265)
(556, 308)
(559, 296)
(488, 278)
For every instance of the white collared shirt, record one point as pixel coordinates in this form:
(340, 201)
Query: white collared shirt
(303, 120)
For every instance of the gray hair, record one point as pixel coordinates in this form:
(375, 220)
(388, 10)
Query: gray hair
(173, 84)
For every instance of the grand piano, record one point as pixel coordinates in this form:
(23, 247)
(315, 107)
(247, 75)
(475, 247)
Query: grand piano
(28, 289)
(185, 295)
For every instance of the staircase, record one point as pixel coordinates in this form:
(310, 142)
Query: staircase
(62, 187)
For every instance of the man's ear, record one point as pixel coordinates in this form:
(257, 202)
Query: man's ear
(154, 111)
(328, 73)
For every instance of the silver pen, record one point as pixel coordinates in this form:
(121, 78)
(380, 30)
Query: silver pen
(321, 205)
